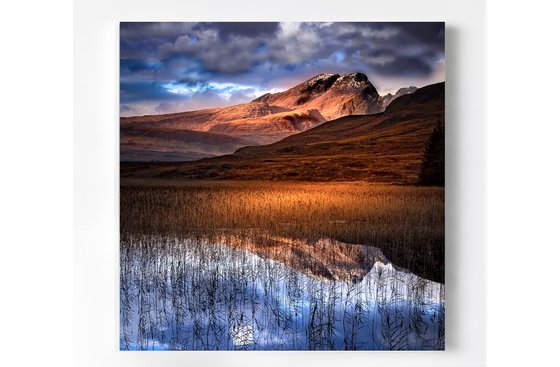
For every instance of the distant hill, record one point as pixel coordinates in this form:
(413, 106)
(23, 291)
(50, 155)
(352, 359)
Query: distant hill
(388, 98)
(384, 147)
(144, 143)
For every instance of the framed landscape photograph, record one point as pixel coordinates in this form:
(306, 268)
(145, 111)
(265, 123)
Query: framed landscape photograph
(282, 186)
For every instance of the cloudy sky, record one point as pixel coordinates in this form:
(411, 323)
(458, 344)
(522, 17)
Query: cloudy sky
(173, 67)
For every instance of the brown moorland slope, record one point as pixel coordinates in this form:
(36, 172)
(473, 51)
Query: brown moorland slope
(385, 147)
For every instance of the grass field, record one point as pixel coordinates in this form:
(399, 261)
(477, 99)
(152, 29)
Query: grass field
(406, 222)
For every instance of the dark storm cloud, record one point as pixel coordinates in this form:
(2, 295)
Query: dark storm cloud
(247, 29)
(273, 55)
(427, 33)
(166, 31)
(132, 66)
(141, 39)
(396, 49)
(405, 66)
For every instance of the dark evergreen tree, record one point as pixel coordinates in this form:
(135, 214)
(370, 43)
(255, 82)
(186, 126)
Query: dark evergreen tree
(432, 171)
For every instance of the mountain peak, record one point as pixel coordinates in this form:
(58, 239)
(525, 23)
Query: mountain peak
(357, 83)
(403, 91)
(326, 80)
(321, 76)
(388, 98)
(335, 95)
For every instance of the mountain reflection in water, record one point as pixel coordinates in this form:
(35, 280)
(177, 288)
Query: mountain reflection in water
(184, 294)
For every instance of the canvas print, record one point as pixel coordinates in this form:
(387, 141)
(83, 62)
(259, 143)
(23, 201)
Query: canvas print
(282, 186)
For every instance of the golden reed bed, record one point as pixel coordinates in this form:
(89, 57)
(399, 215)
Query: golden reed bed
(405, 222)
